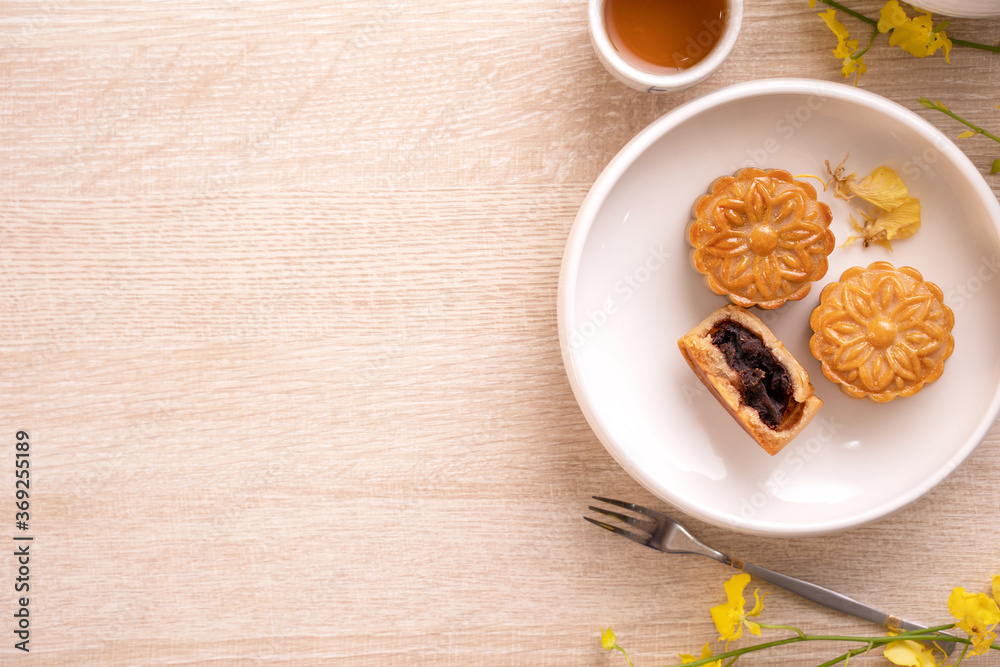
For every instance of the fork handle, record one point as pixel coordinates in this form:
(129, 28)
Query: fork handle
(827, 598)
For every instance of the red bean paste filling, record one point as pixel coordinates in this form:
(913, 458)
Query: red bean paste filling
(765, 384)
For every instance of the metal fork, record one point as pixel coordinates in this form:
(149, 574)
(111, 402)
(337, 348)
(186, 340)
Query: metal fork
(666, 534)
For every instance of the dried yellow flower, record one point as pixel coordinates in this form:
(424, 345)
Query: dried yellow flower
(894, 214)
(839, 181)
(899, 223)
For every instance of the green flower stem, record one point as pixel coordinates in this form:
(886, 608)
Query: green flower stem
(948, 112)
(627, 659)
(777, 626)
(871, 21)
(928, 635)
(846, 10)
(867, 48)
(847, 656)
(936, 629)
(971, 45)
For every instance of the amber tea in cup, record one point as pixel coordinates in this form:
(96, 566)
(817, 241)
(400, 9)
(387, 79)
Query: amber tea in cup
(663, 36)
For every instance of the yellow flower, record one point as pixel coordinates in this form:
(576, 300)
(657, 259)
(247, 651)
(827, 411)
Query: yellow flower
(609, 642)
(901, 222)
(845, 46)
(897, 215)
(706, 652)
(917, 35)
(977, 614)
(730, 618)
(911, 654)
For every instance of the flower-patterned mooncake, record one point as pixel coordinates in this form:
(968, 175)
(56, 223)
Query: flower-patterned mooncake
(882, 332)
(761, 237)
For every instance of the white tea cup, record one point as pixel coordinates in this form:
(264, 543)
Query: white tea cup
(660, 82)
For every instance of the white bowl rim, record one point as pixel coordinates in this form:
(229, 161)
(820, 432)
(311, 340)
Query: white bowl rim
(665, 82)
(961, 8)
(580, 231)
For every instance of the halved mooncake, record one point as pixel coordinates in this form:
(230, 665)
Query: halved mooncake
(751, 373)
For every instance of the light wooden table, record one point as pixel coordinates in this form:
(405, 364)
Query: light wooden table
(280, 289)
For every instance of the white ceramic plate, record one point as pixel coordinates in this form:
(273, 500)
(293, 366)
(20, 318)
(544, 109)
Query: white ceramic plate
(967, 8)
(627, 292)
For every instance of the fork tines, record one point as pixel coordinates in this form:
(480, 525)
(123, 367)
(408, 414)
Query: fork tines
(648, 526)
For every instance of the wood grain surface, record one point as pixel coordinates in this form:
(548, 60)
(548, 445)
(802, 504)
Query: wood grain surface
(280, 283)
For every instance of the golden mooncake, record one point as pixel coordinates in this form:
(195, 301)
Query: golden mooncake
(752, 375)
(882, 332)
(761, 237)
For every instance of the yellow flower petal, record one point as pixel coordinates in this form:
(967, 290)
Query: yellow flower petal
(845, 46)
(608, 639)
(892, 16)
(832, 22)
(900, 223)
(910, 654)
(883, 188)
(946, 44)
(758, 603)
(996, 588)
(967, 134)
(727, 622)
(977, 614)
(734, 589)
(706, 652)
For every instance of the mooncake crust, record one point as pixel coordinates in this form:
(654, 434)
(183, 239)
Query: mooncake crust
(710, 365)
(882, 332)
(760, 237)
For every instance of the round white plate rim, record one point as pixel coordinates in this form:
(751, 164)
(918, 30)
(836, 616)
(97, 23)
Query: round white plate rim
(607, 180)
(984, 8)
